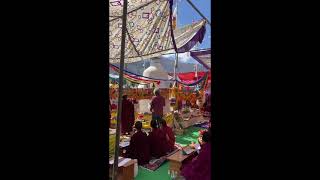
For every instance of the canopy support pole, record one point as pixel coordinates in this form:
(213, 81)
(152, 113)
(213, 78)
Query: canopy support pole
(175, 84)
(195, 8)
(175, 66)
(177, 55)
(123, 41)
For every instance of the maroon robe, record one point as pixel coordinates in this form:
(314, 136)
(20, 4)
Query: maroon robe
(200, 167)
(170, 143)
(179, 105)
(157, 104)
(139, 148)
(157, 141)
(109, 120)
(207, 104)
(127, 116)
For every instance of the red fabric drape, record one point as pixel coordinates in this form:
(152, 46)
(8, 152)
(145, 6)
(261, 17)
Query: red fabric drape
(190, 77)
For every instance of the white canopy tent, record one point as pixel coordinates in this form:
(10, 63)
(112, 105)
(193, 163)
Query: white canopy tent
(149, 31)
(203, 57)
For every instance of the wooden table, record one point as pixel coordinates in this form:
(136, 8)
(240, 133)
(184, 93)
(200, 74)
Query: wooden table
(125, 172)
(176, 159)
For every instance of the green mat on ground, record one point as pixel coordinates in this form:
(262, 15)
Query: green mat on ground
(190, 134)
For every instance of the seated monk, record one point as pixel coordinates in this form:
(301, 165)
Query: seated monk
(170, 139)
(200, 166)
(157, 140)
(139, 146)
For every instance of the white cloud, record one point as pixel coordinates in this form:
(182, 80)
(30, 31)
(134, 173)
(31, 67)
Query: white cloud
(169, 56)
(183, 57)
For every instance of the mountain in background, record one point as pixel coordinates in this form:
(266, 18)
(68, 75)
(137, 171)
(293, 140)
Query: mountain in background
(168, 65)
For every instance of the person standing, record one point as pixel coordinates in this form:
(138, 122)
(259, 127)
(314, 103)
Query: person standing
(156, 106)
(127, 116)
(110, 111)
(207, 107)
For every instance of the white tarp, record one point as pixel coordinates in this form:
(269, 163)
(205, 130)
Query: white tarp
(203, 57)
(148, 31)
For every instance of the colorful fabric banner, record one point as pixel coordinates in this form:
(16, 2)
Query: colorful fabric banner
(134, 78)
(185, 78)
(139, 94)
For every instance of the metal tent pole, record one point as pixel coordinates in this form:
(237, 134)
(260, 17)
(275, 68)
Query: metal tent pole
(123, 35)
(175, 66)
(177, 55)
(195, 8)
(175, 71)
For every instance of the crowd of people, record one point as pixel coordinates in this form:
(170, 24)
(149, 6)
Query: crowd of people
(161, 140)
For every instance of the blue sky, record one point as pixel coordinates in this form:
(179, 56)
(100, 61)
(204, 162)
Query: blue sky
(186, 15)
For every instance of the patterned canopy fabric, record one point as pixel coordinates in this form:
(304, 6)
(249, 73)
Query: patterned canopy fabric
(149, 31)
(203, 57)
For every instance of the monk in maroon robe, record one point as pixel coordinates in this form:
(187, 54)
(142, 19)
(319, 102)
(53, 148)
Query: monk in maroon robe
(207, 104)
(156, 106)
(200, 166)
(179, 104)
(139, 146)
(170, 138)
(109, 120)
(157, 141)
(127, 116)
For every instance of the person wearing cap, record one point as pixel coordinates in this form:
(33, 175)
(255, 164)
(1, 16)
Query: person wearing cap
(156, 106)
(139, 146)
